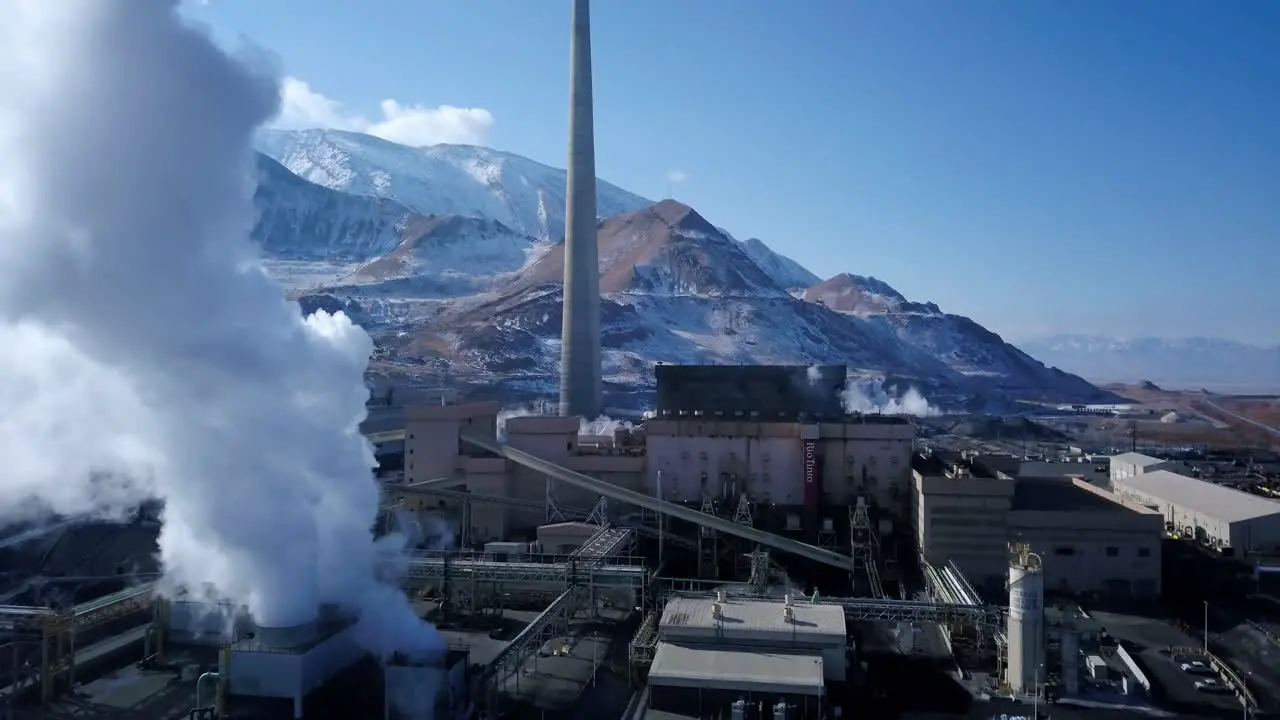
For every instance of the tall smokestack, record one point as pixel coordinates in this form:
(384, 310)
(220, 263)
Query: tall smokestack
(580, 334)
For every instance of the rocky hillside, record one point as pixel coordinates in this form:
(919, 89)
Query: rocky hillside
(471, 288)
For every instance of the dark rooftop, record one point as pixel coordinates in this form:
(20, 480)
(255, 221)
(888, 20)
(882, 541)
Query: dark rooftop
(1052, 494)
(939, 462)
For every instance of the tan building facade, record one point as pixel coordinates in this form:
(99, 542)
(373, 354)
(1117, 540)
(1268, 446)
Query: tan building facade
(784, 465)
(1090, 539)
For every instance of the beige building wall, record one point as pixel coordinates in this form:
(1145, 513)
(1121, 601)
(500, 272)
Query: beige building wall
(765, 460)
(964, 518)
(1112, 548)
(762, 459)
(1112, 552)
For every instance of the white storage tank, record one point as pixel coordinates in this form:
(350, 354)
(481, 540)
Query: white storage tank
(1026, 620)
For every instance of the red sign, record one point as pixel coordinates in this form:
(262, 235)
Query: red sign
(811, 475)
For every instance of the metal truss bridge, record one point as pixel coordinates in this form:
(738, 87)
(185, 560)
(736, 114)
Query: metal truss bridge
(531, 569)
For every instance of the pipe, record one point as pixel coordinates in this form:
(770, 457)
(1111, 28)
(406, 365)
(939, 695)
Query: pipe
(200, 684)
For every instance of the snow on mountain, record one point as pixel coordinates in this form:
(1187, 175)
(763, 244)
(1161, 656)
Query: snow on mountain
(962, 345)
(676, 289)
(1211, 363)
(429, 249)
(302, 221)
(785, 272)
(863, 296)
(665, 249)
(452, 244)
(523, 195)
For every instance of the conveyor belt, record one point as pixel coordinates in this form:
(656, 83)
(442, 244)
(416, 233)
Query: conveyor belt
(529, 570)
(384, 437)
(613, 492)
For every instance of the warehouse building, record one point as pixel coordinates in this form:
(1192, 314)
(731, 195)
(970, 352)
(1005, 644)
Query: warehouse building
(1090, 539)
(1214, 514)
(715, 652)
(1132, 464)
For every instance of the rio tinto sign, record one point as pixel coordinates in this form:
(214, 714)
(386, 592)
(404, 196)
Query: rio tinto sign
(811, 474)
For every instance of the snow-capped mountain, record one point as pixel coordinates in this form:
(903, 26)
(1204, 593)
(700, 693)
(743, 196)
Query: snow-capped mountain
(523, 195)
(302, 221)
(863, 296)
(471, 293)
(665, 249)
(1211, 363)
(785, 272)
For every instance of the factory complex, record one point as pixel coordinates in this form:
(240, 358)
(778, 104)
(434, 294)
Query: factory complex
(750, 551)
(721, 561)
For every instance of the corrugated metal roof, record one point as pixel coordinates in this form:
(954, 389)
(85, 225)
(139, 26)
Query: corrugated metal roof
(757, 615)
(686, 666)
(1216, 501)
(1133, 458)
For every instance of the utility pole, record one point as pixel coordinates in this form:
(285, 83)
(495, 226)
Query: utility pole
(1206, 628)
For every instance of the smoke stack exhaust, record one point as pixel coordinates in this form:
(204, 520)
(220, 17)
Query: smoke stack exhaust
(580, 356)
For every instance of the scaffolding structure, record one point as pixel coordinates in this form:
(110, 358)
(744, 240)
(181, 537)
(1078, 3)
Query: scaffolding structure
(708, 541)
(39, 643)
(864, 548)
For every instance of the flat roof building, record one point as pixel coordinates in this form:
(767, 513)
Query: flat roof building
(1130, 464)
(1090, 539)
(1216, 514)
(713, 652)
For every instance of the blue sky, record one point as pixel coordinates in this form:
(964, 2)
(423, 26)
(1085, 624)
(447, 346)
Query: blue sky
(1082, 166)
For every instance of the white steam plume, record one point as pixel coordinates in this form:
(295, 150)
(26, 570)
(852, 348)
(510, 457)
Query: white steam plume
(874, 399)
(601, 426)
(814, 373)
(143, 352)
(507, 414)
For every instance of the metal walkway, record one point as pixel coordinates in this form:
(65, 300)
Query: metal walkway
(84, 615)
(609, 542)
(613, 492)
(550, 569)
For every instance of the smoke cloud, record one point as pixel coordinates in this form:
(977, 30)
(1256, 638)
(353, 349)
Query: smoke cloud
(143, 351)
(602, 425)
(874, 399)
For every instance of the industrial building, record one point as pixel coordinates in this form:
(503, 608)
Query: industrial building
(1090, 539)
(1132, 464)
(798, 477)
(713, 652)
(1217, 515)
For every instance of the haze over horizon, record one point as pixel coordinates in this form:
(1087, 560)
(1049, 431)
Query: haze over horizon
(1044, 169)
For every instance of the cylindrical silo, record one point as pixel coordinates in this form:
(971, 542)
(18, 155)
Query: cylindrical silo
(1026, 620)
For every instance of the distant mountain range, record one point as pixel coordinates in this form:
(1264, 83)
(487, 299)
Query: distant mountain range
(1192, 363)
(452, 257)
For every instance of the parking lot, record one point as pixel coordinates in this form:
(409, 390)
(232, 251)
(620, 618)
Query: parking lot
(1149, 640)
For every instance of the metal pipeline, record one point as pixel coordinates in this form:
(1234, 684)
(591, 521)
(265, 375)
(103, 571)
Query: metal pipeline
(201, 704)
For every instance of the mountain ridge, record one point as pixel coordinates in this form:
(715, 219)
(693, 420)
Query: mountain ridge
(675, 288)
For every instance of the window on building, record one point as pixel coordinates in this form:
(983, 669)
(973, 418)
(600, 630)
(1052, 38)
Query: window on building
(1113, 551)
(1144, 552)
(1064, 551)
